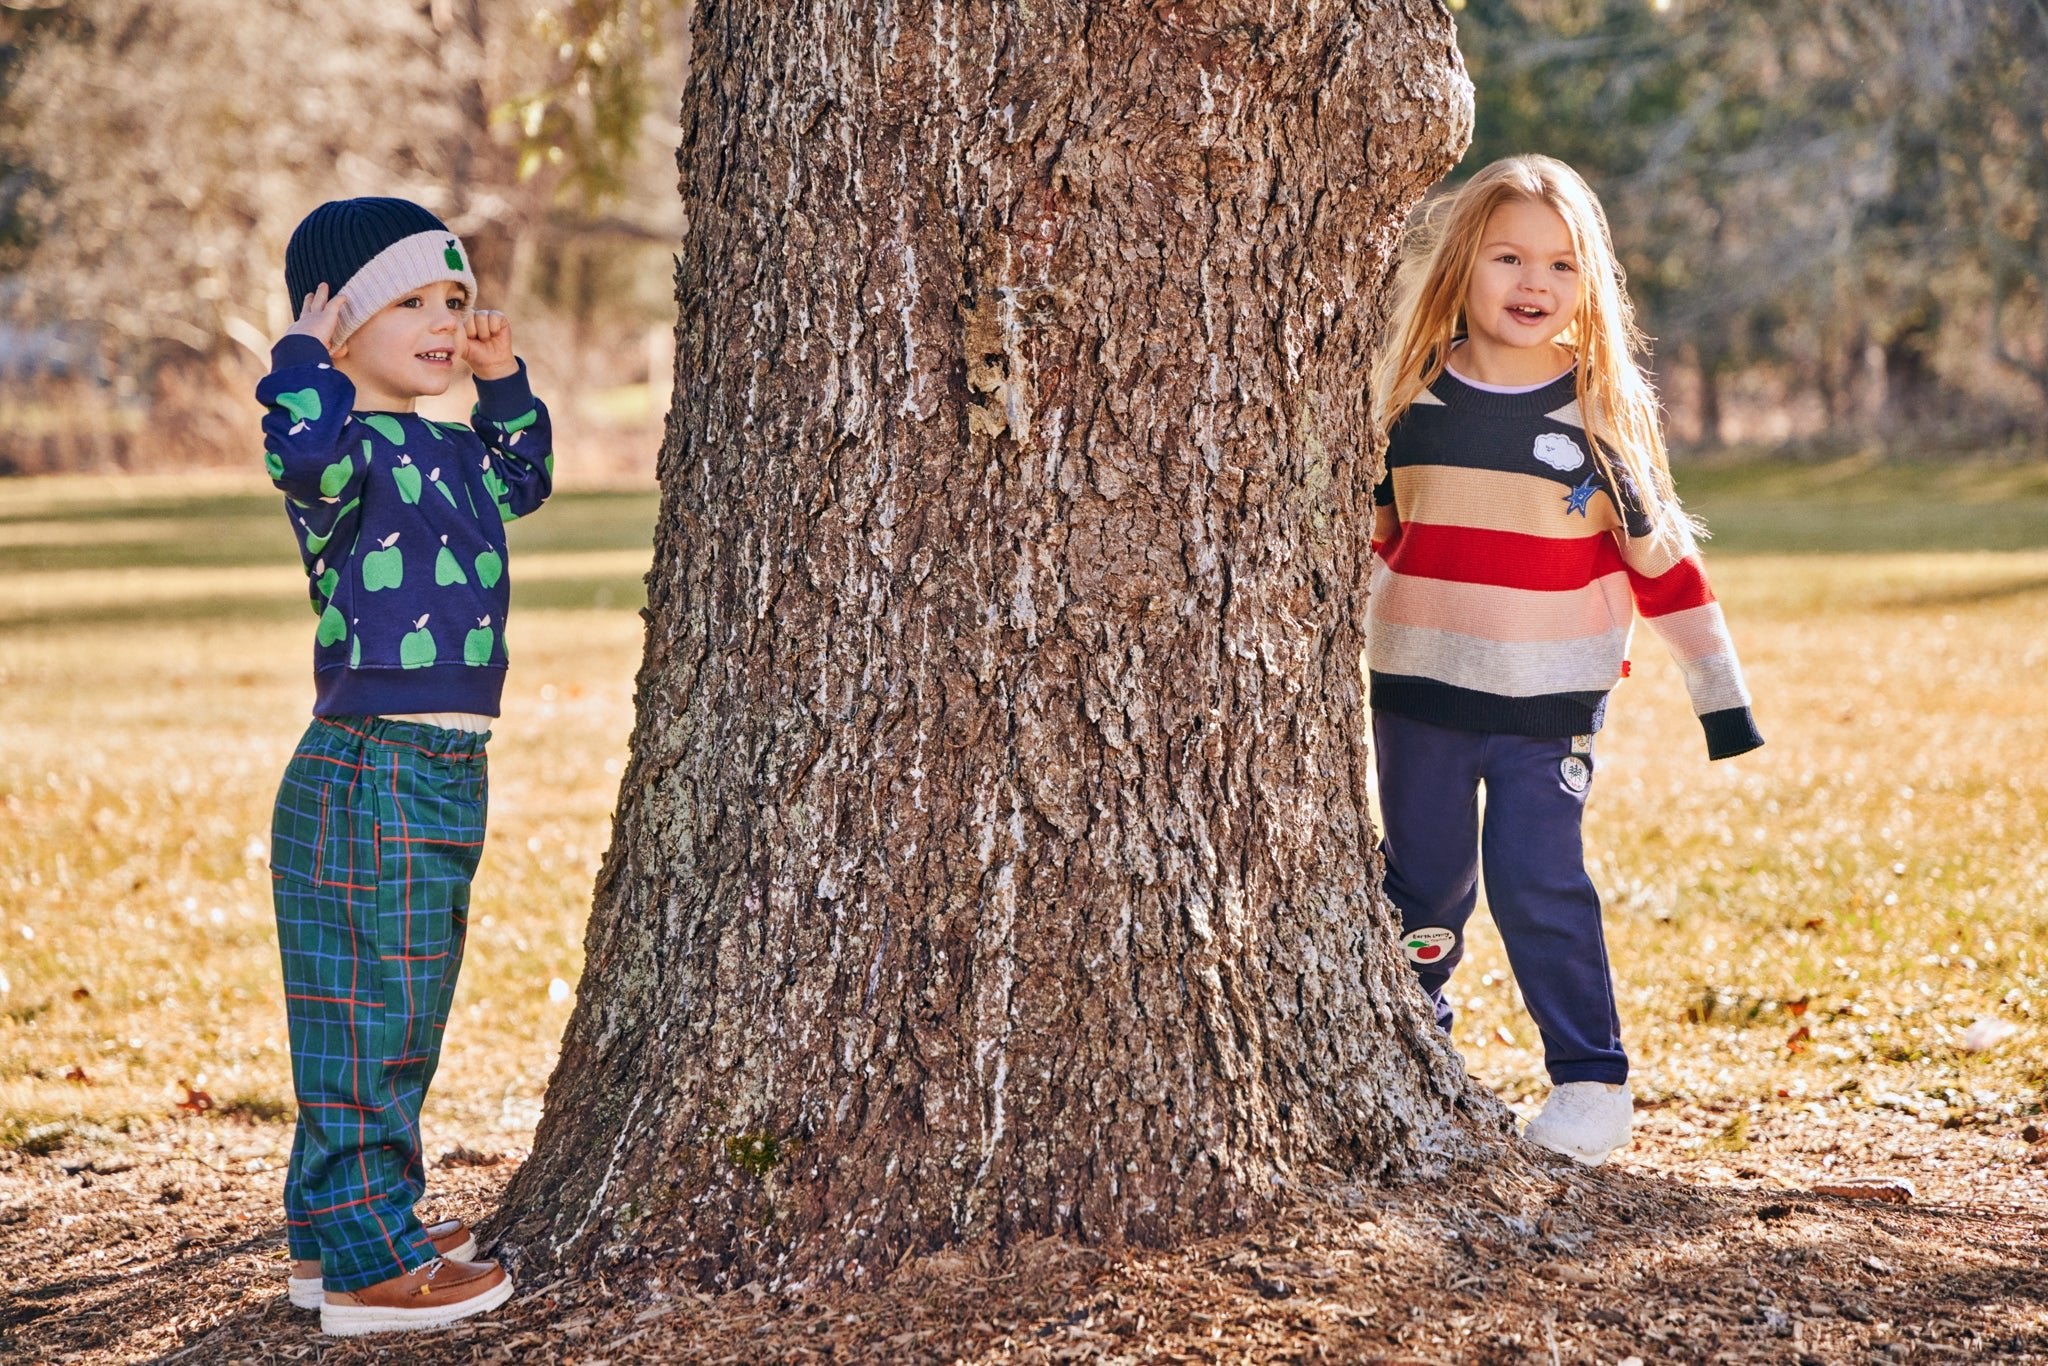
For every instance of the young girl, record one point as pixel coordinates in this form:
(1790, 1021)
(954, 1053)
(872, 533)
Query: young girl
(1526, 516)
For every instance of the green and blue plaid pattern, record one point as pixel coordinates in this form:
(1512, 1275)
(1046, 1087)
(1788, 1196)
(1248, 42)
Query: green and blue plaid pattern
(378, 829)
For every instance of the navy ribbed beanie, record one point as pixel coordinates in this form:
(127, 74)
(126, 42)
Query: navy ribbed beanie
(372, 250)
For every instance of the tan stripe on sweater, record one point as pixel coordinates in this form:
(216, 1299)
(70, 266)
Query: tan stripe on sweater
(1494, 500)
(1498, 613)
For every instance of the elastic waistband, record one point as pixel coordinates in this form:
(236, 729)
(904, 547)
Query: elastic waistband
(437, 741)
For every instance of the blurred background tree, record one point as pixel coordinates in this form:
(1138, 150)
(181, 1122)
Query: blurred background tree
(156, 157)
(1834, 214)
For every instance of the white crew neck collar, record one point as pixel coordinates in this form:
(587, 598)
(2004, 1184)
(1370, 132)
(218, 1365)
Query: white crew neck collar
(1483, 387)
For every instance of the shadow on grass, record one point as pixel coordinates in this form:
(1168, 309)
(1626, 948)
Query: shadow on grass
(595, 593)
(1976, 595)
(243, 530)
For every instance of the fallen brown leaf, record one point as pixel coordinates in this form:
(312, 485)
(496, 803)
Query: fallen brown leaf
(1893, 1190)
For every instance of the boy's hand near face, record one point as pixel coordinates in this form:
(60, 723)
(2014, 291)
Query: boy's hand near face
(319, 318)
(487, 344)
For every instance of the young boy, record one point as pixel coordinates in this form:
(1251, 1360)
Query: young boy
(380, 819)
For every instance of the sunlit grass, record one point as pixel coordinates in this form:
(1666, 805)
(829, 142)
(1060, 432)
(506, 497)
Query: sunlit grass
(1876, 877)
(148, 710)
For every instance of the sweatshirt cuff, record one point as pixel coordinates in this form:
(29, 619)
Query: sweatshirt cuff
(1730, 732)
(296, 348)
(507, 398)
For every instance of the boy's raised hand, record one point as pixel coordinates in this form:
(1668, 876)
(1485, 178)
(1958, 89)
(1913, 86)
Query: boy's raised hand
(487, 344)
(319, 318)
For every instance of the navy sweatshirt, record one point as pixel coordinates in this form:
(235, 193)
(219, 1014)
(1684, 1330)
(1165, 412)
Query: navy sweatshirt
(401, 523)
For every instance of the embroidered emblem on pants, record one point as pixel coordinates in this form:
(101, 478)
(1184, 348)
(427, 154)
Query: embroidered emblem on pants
(1429, 944)
(1575, 772)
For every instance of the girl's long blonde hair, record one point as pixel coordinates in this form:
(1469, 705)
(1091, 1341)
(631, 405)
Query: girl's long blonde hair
(1619, 406)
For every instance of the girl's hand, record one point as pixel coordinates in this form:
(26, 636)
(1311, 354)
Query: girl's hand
(319, 318)
(487, 344)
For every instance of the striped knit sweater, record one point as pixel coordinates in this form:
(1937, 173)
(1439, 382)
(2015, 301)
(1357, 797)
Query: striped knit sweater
(1510, 575)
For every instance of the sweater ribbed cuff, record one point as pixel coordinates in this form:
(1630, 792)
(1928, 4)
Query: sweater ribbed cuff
(504, 399)
(296, 348)
(1730, 732)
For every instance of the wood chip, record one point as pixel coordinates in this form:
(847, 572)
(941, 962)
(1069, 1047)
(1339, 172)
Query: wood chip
(1893, 1190)
(1565, 1271)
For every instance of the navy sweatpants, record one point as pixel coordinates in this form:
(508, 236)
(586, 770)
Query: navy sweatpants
(1543, 902)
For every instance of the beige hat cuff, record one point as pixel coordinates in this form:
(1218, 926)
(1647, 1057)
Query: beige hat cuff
(398, 270)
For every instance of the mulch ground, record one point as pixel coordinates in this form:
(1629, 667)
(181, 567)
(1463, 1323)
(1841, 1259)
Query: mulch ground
(1709, 1242)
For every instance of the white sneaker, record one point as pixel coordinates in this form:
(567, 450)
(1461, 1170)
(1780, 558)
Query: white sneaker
(1584, 1120)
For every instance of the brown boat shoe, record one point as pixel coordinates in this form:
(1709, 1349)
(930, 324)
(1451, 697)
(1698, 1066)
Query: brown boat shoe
(431, 1296)
(452, 1239)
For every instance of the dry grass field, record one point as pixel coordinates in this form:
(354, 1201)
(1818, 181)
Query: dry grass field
(1832, 953)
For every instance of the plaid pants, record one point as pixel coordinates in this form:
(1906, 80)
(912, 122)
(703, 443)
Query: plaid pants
(377, 832)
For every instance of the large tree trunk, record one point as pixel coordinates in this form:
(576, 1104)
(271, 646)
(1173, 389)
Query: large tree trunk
(994, 855)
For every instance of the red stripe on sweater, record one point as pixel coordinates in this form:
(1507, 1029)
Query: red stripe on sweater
(1682, 586)
(1505, 559)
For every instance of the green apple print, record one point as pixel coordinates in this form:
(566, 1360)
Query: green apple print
(433, 429)
(494, 483)
(304, 407)
(448, 569)
(496, 488)
(516, 428)
(434, 478)
(326, 579)
(384, 568)
(407, 476)
(316, 541)
(416, 647)
(332, 627)
(386, 427)
(476, 646)
(355, 653)
(489, 568)
(273, 464)
(335, 477)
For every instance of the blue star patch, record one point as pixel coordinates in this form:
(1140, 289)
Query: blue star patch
(1578, 498)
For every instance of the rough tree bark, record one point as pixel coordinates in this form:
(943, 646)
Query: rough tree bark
(994, 854)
